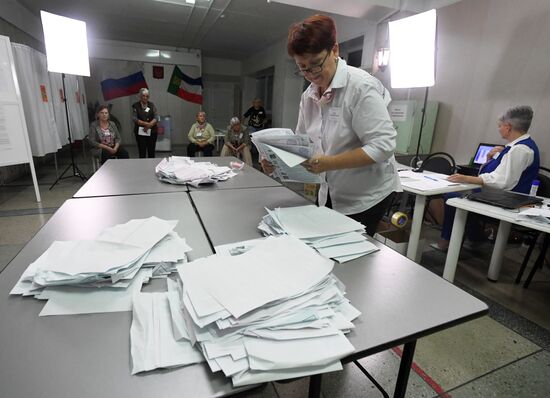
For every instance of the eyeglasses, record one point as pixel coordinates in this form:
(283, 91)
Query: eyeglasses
(314, 69)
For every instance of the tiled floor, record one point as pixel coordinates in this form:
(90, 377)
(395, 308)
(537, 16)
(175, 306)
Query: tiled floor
(505, 354)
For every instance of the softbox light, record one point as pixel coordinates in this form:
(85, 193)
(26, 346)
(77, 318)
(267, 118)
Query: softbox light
(412, 46)
(66, 44)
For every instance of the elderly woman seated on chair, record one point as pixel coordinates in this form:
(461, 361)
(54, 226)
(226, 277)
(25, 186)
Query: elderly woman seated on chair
(201, 137)
(105, 138)
(510, 168)
(237, 141)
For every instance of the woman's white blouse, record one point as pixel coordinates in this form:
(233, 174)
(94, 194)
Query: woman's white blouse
(352, 114)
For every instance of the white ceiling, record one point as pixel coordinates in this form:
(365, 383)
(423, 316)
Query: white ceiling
(220, 28)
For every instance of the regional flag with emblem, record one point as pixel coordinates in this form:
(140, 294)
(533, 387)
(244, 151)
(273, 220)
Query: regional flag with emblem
(185, 87)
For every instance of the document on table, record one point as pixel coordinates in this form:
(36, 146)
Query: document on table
(424, 181)
(70, 300)
(239, 282)
(153, 344)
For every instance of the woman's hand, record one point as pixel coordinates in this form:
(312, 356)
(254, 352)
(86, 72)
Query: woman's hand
(267, 167)
(317, 164)
(493, 152)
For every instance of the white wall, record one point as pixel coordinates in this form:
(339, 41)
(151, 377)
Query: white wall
(492, 54)
(220, 66)
(287, 88)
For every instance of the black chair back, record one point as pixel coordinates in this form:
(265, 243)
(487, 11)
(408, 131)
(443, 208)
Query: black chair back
(439, 162)
(544, 187)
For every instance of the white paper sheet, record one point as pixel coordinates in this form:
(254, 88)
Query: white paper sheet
(69, 300)
(152, 340)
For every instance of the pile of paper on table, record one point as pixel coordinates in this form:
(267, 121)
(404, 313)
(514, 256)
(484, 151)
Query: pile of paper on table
(100, 275)
(274, 312)
(332, 234)
(184, 170)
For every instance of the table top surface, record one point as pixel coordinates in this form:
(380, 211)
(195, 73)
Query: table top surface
(126, 177)
(435, 191)
(89, 355)
(496, 212)
(399, 299)
(137, 176)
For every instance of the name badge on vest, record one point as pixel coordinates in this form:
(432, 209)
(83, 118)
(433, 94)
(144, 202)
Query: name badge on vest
(147, 109)
(334, 114)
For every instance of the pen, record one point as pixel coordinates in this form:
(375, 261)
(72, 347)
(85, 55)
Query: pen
(430, 178)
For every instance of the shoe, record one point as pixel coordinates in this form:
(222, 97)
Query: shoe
(435, 246)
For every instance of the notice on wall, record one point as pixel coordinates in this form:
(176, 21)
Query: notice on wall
(398, 112)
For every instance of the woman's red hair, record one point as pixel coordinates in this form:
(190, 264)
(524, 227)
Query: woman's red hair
(311, 36)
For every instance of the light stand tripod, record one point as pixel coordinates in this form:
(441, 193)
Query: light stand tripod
(76, 171)
(416, 158)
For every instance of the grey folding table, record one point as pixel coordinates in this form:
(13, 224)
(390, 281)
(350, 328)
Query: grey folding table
(89, 355)
(126, 177)
(400, 301)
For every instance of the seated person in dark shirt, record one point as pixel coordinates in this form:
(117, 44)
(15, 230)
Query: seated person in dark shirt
(256, 116)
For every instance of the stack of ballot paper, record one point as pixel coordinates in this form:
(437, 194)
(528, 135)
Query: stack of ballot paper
(184, 170)
(274, 312)
(285, 151)
(332, 234)
(100, 275)
(424, 181)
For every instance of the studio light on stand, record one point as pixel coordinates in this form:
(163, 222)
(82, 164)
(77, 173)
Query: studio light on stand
(67, 53)
(412, 43)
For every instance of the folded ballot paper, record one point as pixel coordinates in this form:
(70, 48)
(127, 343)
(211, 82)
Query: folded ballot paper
(101, 275)
(273, 312)
(332, 234)
(286, 151)
(184, 170)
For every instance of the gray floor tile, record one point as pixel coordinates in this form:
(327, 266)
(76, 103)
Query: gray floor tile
(351, 382)
(21, 228)
(462, 353)
(296, 389)
(528, 377)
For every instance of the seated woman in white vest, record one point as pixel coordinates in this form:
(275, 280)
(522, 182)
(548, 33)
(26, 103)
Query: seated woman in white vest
(237, 141)
(511, 168)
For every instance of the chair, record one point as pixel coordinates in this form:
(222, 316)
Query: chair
(544, 191)
(438, 162)
(87, 147)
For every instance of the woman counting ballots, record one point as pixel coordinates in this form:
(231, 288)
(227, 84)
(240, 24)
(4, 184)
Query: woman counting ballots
(344, 114)
(511, 168)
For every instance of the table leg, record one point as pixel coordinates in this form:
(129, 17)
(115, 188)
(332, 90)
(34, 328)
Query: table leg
(404, 370)
(315, 386)
(418, 215)
(455, 244)
(498, 251)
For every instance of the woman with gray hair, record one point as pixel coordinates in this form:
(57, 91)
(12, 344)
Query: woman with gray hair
(237, 141)
(510, 168)
(145, 117)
